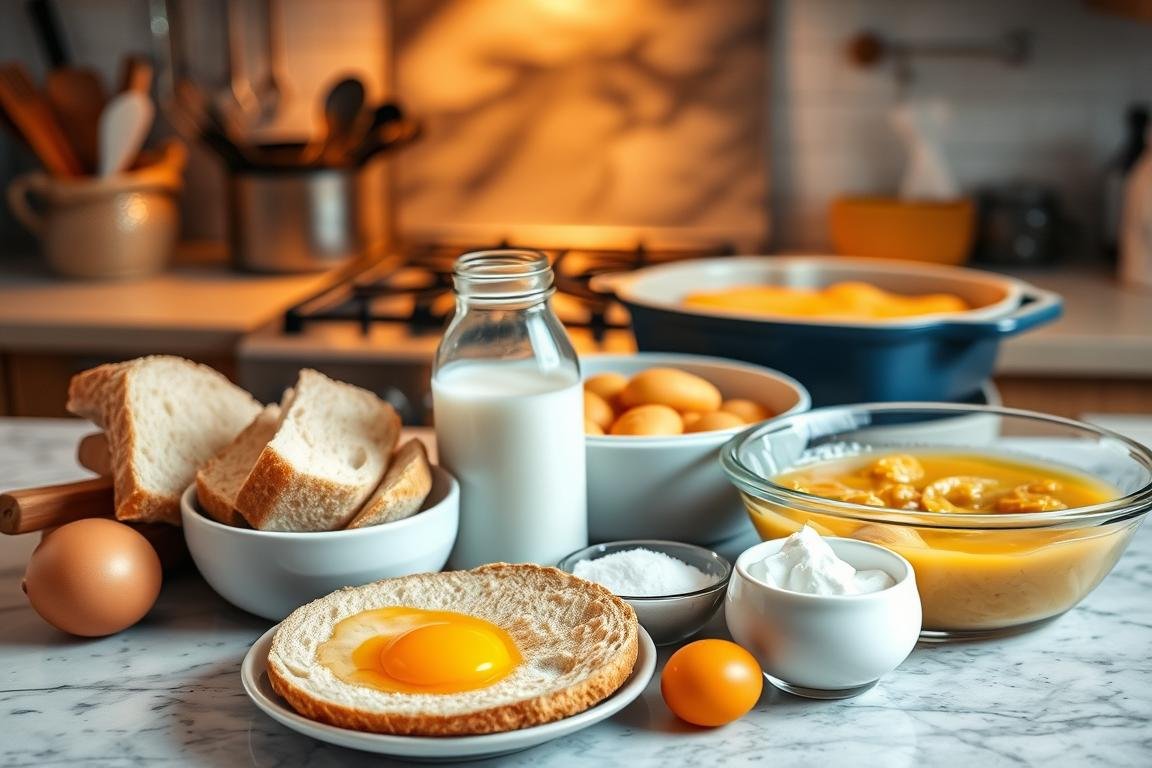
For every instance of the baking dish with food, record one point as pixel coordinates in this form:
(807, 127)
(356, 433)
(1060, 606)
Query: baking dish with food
(939, 357)
(980, 573)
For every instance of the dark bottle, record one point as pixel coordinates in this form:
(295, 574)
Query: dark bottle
(1116, 175)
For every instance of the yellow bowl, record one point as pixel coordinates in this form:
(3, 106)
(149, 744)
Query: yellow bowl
(887, 228)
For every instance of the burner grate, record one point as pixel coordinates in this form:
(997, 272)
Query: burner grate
(415, 287)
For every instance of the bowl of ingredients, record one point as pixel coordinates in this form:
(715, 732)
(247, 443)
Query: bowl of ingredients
(654, 424)
(825, 617)
(675, 588)
(852, 330)
(270, 573)
(1007, 526)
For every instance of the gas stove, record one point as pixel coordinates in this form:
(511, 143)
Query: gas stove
(377, 324)
(413, 287)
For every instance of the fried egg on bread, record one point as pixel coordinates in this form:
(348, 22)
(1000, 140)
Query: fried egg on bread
(497, 648)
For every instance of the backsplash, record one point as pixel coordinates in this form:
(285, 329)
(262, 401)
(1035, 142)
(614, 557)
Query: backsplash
(610, 106)
(1056, 120)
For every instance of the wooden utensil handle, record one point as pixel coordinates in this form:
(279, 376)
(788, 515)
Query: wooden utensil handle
(94, 455)
(33, 509)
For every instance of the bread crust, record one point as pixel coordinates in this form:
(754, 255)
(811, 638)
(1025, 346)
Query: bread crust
(402, 491)
(100, 395)
(545, 707)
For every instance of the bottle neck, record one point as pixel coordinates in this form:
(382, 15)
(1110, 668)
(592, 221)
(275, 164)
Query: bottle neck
(504, 279)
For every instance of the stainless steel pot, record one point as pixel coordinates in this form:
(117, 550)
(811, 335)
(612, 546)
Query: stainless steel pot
(302, 220)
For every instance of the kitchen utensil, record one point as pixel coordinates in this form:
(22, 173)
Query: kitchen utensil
(388, 137)
(941, 357)
(825, 646)
(97, 228)
(30, 113)
(76, 95)
(135, 74)
(269, 87)
(295, 219)
(344, 121)
(244, 103)
(78, 99)
(93, 454)
(669, 619)
(914, 230)
(1018, 225)
(124, 126)
(447, 749)
(34, 509)
(271, 573)
(979, 575)
(672, 485)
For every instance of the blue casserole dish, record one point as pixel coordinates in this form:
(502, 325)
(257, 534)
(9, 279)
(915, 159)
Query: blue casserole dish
(943, 357)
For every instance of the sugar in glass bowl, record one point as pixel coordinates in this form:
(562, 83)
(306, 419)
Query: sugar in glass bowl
(979, 575)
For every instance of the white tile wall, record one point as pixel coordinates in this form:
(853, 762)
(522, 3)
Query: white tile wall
(1056, 120)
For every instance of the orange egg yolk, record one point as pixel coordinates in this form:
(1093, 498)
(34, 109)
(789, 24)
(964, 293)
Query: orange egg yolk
(412, 650)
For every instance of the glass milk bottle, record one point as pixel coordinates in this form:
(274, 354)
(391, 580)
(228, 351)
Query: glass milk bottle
(509, 412)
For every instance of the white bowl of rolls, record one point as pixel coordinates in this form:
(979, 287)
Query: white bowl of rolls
(671, 486)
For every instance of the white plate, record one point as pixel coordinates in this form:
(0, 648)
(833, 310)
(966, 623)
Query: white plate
(253, 673)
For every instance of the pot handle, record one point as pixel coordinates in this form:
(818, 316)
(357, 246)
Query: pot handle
(608, 283)
(1037, 307)
(20, 190)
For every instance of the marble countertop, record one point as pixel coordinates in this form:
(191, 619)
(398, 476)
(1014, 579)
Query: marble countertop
(167, 691)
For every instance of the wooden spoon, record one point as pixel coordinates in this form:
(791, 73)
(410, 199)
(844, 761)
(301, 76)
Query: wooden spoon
(77, 98)
(124, 126)
(31, 115)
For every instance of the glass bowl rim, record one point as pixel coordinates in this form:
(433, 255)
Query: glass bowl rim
(1126, 507)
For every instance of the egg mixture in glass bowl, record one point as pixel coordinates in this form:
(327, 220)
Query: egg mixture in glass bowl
(1009, 517)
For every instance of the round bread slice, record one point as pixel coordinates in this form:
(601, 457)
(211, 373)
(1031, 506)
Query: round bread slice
(578, 642)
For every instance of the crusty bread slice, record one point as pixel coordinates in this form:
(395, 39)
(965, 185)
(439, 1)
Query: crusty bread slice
(400, 494)
(219, 481)
(578, 642)
(164, 417)
(329, 452)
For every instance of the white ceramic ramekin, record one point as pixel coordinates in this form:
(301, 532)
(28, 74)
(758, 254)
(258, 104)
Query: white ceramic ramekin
(825, 646)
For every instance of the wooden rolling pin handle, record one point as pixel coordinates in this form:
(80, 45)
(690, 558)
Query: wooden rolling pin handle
(33, 509)
(93, 454)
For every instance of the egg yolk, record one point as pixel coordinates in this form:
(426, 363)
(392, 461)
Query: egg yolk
(412, 650)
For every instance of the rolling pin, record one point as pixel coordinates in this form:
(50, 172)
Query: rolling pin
(92, 453)
(34, 509)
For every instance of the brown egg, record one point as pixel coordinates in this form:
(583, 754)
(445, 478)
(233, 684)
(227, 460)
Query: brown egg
(592, 428)
(748, 410)
(607, 385)
(674, 388)
(648, 420)
(689, 418)
(93, 577)
(597, 411)
(715, 420)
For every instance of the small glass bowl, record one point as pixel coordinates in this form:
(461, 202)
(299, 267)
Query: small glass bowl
(669, 619)
(979, 575)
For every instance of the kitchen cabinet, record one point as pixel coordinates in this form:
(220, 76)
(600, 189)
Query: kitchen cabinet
(1071, 397)
(36, 384)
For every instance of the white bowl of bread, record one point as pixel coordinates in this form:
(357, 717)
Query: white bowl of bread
(671, 486)
(280, 503)
(270, 573)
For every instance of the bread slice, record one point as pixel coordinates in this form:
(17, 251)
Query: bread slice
(164, 417)
(578, 642)
(401, 493)
(329, 452)
(219, 481)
